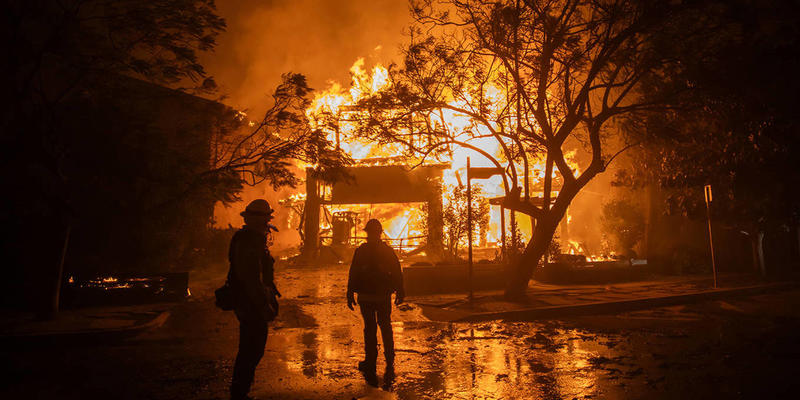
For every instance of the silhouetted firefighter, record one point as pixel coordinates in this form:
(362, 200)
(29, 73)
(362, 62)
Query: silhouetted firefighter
(375, 274)
(254, 292)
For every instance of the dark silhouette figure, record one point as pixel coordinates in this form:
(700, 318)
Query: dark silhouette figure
(374, 275)
(251, 279)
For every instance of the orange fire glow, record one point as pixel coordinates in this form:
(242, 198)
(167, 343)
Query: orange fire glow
(333, 111)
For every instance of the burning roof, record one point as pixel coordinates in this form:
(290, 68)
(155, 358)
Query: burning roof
(336, 111)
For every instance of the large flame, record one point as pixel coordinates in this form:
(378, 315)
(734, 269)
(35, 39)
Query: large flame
(333, 111)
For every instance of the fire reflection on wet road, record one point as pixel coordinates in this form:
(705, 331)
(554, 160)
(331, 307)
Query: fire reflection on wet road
(446, 361)
(441, 360)
(635, 354)
(736, 348)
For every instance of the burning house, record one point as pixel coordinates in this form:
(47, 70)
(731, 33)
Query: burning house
(410, 195)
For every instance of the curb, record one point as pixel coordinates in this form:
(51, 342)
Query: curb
(90, 334)
(530, 314)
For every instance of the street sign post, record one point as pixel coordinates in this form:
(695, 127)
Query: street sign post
(474, 173)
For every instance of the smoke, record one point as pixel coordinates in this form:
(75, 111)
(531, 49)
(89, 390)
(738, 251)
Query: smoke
(320, 39)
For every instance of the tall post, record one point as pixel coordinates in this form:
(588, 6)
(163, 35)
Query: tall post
(56, 299)
(503, 234)
(710, 236)
(469, 229)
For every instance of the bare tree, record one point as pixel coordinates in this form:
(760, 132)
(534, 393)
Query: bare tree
(538, 77)
(268, 150)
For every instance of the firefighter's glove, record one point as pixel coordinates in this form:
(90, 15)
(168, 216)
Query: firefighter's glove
(351, 300)
(398, 299)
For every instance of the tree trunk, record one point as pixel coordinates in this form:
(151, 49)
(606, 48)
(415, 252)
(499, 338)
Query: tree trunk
(548, 182)
(797, 256)
(760, 247)
(649, 225)
(55, 294)
(757, 243)
(753, 237)
(522, 270)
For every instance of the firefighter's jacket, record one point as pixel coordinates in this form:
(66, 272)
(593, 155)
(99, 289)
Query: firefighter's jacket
(251, 271)
(375, 273)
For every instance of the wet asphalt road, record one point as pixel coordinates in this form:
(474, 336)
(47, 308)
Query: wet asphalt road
(738, 348)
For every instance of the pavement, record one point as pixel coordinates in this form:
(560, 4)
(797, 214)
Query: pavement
(84, 324)
(546, 301)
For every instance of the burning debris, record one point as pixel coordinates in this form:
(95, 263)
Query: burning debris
(126, 288)
(408, 191)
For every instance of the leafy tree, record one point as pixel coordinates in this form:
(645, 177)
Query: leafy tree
(537, 78)
(58, 52)
(456, 228)
(623, 220)
(62, 51)
(515, 242)
(737, 128)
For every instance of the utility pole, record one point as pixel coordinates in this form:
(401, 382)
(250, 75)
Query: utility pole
(476, 173)
(503, 234)
(709, 199)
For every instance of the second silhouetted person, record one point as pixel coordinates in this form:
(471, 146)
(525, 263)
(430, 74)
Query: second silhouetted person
(375, 274)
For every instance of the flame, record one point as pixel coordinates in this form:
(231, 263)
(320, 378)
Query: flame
(575, 247)
(332, 108)
(333, 111)
(402, 222)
